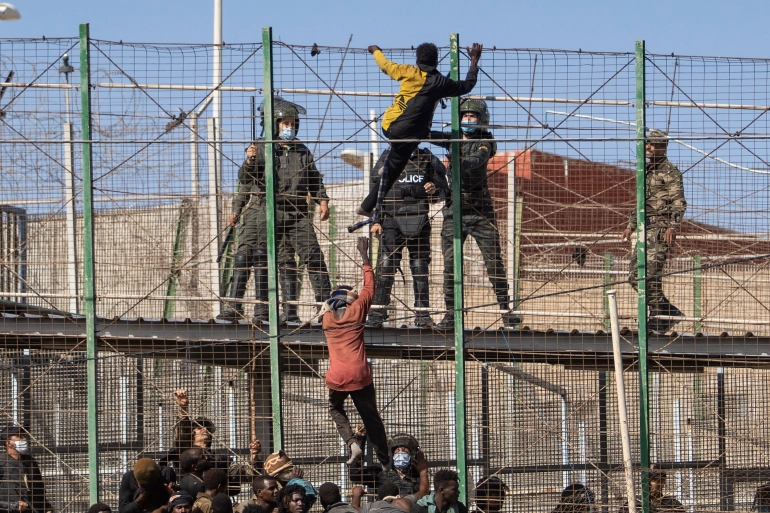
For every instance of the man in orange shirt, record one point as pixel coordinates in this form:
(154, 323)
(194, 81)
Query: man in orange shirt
(344, 318)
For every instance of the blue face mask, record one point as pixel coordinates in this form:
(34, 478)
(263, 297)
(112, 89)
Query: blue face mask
(468, 127)
(287, 134)
(401, 461)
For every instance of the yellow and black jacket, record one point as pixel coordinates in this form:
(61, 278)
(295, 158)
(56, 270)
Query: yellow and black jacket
(421, 89)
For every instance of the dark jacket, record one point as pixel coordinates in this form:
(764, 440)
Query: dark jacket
(192, 484)
(130, 490)
(421, 89)
(21, 480)
(474, 156)
(408, 196)
(295, 178)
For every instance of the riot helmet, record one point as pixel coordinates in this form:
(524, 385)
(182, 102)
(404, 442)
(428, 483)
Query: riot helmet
(478, 107)
(282, 109)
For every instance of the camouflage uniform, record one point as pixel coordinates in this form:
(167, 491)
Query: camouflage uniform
(296, 179)
(665, 206)
(478, 220)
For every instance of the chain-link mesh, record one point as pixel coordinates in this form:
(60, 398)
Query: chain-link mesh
(543, 247)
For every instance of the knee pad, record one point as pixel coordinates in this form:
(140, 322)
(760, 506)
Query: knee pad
(419, 267)
(242, 260)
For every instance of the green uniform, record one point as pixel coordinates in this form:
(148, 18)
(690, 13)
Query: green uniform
(478, 217)
(296, 180)
(665, 206)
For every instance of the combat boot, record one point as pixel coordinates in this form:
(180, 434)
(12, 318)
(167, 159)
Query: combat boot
(510, 320)
(664, 308)
(421, 288)
(448, 322)
(290, 286)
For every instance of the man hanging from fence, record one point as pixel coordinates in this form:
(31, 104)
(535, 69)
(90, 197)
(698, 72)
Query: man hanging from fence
(405, 222)
(410, 116)
(478, 212)
(295, 178)
(344, 316)
(665, 206)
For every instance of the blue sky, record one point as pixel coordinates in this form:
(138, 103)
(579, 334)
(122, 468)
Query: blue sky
(705, 27)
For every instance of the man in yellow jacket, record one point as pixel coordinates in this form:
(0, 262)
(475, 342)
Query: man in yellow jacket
(410, 116)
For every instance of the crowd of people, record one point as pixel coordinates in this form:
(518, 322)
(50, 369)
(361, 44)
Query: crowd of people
(194, 478)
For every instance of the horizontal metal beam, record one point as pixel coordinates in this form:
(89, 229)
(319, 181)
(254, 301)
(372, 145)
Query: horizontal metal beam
(228, 344)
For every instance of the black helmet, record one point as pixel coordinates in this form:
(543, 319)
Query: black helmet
(283, 109)
(403, 440)
(478, 107)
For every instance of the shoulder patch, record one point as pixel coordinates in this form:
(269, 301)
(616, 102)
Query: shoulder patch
(484, 147)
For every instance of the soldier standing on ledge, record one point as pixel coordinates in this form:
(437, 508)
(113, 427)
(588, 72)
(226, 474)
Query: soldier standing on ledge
(478, 211)
(665, 206)
(405, 222)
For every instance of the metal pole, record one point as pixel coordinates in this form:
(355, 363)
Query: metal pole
(697, 291)
(212, 237)
(69, 192)
(641, 253)
(457, 212)
(511, 228)
(215, 154)
(607, 281)
(272, 268)
(621, 391)
(89, 288)
(603, 441)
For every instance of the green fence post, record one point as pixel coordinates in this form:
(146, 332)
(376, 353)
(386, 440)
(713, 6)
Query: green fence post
(176, 260)
(272, 268)
(89, 288)
(696, 291)
(607, 286)
(641, 253)
(457, 212)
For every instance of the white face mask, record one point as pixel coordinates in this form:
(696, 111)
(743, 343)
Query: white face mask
(22, 446)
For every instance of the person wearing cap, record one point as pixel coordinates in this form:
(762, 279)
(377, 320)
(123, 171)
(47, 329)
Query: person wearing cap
(490, 494)
(180, 502)
(146, 488)
(659, 503)
(344, 318)
(575, 498)
(280, 467)
(21, 482)
(311, 494)
(665, 206)
(197, 433)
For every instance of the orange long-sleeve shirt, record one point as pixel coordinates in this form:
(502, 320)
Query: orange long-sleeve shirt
(348, 370)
